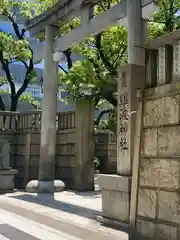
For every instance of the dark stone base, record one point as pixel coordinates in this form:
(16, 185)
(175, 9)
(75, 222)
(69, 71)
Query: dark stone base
(36, 186)
(7, 181)
(112, 222)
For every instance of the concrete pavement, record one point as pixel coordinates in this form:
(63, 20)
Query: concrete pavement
(65, 215)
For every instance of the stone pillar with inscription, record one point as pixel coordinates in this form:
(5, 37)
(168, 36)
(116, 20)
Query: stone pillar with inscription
(165, 56)
(116, 189)
(123, 112)
(176, 61)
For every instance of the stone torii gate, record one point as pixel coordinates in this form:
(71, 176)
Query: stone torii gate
(131, 13)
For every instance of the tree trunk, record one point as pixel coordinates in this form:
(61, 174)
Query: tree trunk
(2, 106)
(13, 108)
(14, 103)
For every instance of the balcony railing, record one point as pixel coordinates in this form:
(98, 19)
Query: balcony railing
(31, 121)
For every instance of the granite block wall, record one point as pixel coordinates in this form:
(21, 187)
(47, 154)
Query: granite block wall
(158, 209)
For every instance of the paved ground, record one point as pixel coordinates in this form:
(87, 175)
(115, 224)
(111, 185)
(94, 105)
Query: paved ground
(63, 216)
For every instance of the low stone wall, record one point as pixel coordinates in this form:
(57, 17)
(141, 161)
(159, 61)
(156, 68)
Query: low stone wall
(25, 153)
(158, 206)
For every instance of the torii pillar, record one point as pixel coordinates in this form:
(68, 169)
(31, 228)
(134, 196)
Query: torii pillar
(46, 182)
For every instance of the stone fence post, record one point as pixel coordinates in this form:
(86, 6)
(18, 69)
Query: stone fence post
(6, 173)
(84, 167)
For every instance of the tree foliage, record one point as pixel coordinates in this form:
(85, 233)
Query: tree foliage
(15, 48)
(166, 18)
(96, 76)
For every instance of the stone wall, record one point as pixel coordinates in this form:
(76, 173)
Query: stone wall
(23, 131)
(158, 202)
(106, 151)
(25, 153)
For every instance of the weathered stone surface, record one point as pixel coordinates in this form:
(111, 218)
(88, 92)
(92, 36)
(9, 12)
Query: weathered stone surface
(163, 173)
(159, 91)
(162, 65)
(149, 142)
(35, 138)
(162, 111)
(145, 228)
(34, 161)
(83, 176)
(65, 161)
(164, 232)
(19, 139)
(64, 173)
(169, 141)
(115, 182)
(13, 149)
(35, 150)
(147, 203)
(169, 206)
(68, 137)
(115, 205)
(19, 150)
(176, 61)
(33, 173)
(150, 230)
(115, 196)
(165, 56)
(18, 161)
(66, 149)
(7, 180)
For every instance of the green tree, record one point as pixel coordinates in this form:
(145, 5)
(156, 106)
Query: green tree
(166, 18)
(15, 49)
(96, 76)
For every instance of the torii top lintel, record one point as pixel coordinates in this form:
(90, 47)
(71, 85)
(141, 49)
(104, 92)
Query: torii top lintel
(58, 14)
(65, 10)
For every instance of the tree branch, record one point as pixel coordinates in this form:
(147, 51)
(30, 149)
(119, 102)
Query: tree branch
(64, 70)
(101, 115)
(68, 53)
(105, 61)
(97, 68)
(118, 57)
(20, 36)
(109, 97)
(5, 66)
(27, 78)
(11, 18)
(25, 64)
(2, 106)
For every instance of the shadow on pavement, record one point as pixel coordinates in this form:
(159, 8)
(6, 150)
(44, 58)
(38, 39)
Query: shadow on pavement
(49, 201)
